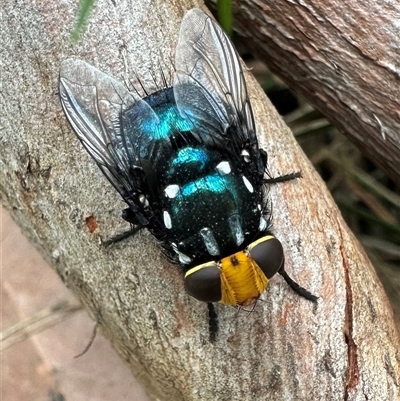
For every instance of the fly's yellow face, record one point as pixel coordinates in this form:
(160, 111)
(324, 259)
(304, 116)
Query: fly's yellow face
(238, 279)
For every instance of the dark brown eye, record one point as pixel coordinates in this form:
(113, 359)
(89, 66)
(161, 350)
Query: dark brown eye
(203, 282)
(267, 252)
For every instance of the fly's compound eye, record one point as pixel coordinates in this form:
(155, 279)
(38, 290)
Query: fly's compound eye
(238, 279)
(267, 252)
(203, 282)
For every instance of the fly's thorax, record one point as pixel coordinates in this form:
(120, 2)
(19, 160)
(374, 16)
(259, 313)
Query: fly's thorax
(150, 126)
(238, 279)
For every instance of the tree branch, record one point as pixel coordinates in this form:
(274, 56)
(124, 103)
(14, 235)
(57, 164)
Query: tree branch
(343, 57)
(344, 348)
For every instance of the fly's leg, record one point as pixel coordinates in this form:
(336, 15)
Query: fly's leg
(281, 178)
(128, 216)
(212, 322)
(296, 287)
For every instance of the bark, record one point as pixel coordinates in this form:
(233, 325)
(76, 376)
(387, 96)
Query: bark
(344, 348)
(343, 57)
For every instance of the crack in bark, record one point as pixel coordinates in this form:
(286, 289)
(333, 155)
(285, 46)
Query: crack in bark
(353, 371)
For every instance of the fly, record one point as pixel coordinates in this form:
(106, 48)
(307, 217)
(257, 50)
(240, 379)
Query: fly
(186, 161)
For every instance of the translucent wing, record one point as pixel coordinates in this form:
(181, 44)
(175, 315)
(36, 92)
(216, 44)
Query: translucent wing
(210, 88)
(93, 103)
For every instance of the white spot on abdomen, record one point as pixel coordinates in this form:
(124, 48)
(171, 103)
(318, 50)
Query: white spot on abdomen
(263, 224)
(209, 241)
(167, 220)
(171, 191)
(236, 229)
(184, 259)
(224, 168)
(248, 184)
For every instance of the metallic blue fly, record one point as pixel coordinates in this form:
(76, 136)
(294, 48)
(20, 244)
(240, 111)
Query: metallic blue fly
(187, 163)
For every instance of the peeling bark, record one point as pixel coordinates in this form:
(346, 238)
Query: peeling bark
(286, 348)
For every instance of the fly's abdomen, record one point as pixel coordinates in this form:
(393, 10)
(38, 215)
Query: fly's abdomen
(209, 208)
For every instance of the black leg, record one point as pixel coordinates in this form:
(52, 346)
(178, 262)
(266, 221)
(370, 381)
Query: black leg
(122, 236)
(213, 322)
(297, 288)
(282, 178)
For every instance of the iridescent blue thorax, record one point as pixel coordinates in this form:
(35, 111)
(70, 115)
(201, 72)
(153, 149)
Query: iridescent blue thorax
(167, 122)
(154, 123)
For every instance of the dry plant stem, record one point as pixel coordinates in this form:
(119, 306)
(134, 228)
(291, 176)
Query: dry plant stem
(346, 347)
(39, 322)
(343, 57)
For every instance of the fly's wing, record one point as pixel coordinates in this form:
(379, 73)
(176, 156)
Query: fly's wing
(93, 103)
(210, 88)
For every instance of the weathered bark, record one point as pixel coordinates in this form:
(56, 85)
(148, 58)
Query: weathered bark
(344, 348)
(343, 57)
